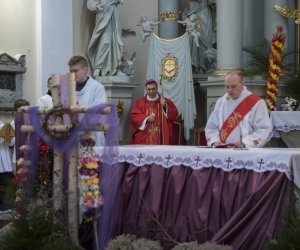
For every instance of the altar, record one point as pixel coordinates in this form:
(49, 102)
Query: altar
(187, 193)
(286, 125)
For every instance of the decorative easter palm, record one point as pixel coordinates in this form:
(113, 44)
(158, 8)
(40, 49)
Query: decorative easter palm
(275, 59)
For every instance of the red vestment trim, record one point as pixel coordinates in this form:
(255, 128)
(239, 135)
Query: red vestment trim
(237, 115)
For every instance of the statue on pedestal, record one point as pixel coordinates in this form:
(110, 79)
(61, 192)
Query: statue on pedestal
(207, 37)
(105, 49)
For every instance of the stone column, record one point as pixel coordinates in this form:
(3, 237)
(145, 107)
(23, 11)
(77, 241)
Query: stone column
(253, 18)
(168, 29)
(229, 36)
(272, 18)
(54, 45)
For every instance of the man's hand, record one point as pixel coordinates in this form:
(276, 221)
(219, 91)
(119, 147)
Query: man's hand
(216, 144)
(151, 118)
(162, 101)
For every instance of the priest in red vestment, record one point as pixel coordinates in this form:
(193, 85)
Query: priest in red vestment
(152, 117)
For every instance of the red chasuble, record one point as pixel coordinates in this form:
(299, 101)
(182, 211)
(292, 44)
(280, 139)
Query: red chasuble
(158, 132)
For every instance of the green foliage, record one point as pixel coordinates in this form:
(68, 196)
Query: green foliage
(259, 63)
(7, 190)
(37, 227)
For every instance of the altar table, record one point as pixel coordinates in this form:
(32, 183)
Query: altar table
(286, 125)
(187, 193)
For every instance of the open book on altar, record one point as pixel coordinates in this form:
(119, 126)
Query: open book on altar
(7, 132)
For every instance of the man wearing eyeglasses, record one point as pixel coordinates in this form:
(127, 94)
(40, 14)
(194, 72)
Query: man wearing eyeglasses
(152, 117)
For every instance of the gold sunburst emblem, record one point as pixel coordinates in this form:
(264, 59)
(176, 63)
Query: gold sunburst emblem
(169, 67)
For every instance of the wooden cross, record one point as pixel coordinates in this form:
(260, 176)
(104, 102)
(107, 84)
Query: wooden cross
(59, 126)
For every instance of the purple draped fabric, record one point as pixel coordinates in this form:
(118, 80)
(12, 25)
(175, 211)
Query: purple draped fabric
(240, 208)
(90, 119)
(109, 174)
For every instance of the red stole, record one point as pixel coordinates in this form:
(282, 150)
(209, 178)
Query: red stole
(237, 115)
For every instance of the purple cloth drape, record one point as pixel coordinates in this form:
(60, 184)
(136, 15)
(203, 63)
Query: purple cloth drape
(108, 175)
(240, 208)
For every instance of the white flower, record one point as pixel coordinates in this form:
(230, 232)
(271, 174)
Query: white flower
(290, 104)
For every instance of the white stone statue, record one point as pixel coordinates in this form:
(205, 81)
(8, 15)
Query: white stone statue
(147, 27)
(105, 48)
(192, 28)
(210, 60)
(207, 37)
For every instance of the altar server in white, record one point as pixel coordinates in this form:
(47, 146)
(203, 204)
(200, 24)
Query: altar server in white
(89, 92)
(240, 118)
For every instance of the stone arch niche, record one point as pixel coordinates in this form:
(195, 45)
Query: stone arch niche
(11, 80)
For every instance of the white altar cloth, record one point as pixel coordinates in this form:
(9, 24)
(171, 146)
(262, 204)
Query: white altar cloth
(284, 121)
(285, 160)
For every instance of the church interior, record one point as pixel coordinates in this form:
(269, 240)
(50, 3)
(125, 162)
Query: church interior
(180, 187)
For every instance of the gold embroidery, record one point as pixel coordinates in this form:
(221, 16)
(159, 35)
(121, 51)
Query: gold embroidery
(169, 67)
(223, 134)
(153, 130)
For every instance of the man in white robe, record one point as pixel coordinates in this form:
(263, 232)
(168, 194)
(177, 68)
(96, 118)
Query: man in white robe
(252, 130)
(89, 92)
(46, 101)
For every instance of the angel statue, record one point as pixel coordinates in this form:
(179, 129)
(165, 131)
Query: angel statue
(147, 27)
(203, 11)
(192, 27)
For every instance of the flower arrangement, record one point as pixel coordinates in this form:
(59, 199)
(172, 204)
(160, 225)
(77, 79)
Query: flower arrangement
(275, 59)
(43, 177)
(290, 104)
(90, 195)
